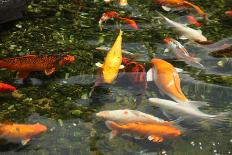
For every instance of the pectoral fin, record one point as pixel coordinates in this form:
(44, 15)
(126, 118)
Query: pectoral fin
(25, 141)
(166, 8)
(155, 138)
(23, 74)
(150, 75)
(98, 64)
(183, 37)
(49, 71)
(166, 50)
(113, 134)
(121, 67)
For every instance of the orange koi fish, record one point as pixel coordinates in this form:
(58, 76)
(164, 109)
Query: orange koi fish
(136, 72)
(192, 20)
(29, 63)
(155, 132)
(20, 132)
(167, 79)
(229, 13)
(168, 4)
(111, 15)
(6, 87)
(112, 62)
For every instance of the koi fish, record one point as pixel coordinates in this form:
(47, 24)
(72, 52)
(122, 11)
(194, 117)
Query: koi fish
(186, 32)
(167, 5)
(20, 132)
(167, 79)
(192, 20)
(155, 132)
(181, 53)
(185, 108)
(128, 116)
(29, 63)
(106, 16)
(136, 72)
(6, 87)
(229, 13)
(112, 62)
(120, 2)
(111, 15)
(130, 22)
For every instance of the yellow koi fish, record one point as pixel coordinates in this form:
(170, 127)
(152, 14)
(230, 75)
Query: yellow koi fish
(112, 62)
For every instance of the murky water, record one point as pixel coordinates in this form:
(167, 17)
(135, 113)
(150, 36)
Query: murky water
(63, 102)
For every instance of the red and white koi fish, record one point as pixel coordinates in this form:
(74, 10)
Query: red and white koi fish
(155, 132)
(181, 53)
(6, 87)
(128, 116)
(112, 14)
(20, 132)
(184, 31)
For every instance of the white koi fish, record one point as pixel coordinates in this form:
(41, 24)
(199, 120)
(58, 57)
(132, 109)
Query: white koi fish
(184, 31)
(181, 53)
(190, 109)
(128, 116)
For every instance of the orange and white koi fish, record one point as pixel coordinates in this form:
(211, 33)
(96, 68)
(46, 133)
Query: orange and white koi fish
(166, 79)
(6, 87)
(111, 15)
(229, 13)
(120, 2)
(112, 62)
(184, 31)
(29, 63)
(155, 132)
(181, 53)
(186, 109)
(167, 5)
(128, 116)
(20, 132)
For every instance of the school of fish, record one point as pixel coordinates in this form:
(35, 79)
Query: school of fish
(162, 75)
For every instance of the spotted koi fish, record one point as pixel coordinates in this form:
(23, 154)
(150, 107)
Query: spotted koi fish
(29, 63)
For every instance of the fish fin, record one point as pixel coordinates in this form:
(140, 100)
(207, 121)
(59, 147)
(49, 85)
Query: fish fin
(179, 70)
(23, 74)
(155, 138)
(25, 141)
(166, 8)
(166, 50)
(198, 103)
(150, 75)
(121, 67)
(113, 134)
(183, 37)
(49, 71)
(109, 125)
(98, 64)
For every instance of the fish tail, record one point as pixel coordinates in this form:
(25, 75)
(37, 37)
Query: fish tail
(197, 8)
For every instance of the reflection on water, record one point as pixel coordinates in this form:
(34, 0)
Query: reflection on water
(67, 101)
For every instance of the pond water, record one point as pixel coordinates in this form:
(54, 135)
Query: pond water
(64, 102)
